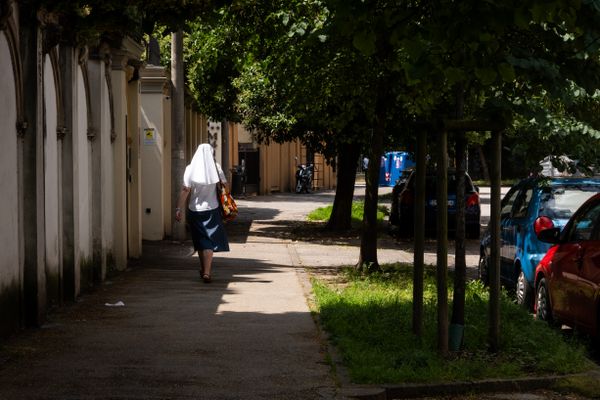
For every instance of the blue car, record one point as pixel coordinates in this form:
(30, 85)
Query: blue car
(520, 249)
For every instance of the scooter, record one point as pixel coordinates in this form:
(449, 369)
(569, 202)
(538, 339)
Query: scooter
(304, 177)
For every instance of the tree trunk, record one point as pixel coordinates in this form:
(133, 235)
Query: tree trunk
(460, 269)
(341, 214)
(483, 161)
(368, 240)
(442, 242)
(494, 267)
(419, 252)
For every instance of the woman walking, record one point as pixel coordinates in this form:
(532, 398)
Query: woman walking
(203, 209)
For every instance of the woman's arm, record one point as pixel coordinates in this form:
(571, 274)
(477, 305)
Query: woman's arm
(181, 202)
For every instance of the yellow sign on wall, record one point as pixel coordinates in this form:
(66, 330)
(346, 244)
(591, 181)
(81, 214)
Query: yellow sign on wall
(149, 136)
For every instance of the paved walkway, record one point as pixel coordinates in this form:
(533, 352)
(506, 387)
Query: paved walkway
(247, 335)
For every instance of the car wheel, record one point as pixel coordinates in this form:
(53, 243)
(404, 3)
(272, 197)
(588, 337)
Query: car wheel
(483, 272)
(543, 311)
(523, 291)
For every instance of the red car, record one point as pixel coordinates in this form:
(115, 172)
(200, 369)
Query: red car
(567, 279)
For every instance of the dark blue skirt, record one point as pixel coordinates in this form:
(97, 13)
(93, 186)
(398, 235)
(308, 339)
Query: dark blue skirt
(207, 230)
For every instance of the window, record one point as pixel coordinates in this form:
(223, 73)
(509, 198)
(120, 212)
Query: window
(561, 202)
(508, 201)
(522, 203)
(584, 225)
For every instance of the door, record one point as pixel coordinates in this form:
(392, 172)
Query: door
(515, 231)
(586, 265)
(506, 262)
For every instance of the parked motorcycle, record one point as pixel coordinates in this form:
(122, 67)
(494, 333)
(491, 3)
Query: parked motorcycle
(304, 177)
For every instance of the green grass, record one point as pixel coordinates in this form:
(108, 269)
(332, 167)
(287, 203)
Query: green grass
(369, 320)
(323, 213)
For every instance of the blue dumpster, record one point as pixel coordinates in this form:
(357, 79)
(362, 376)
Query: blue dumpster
(393, 163)
(400, 161)
(384, 171)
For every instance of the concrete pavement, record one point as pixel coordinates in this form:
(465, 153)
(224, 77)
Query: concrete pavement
(247, 335)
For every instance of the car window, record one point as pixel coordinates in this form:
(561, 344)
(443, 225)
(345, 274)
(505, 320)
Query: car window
(583, 226)
(431, 183)
(561, 202)
(522, 203)
(508, 201)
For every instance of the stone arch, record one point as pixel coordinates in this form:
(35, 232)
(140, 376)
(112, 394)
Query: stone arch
(11, 234)
(8, 24)
(54, 61)
(82, 59)
(111, 105)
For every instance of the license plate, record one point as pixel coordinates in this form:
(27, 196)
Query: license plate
(434, 203)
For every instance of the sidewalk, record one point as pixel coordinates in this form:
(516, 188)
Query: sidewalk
(247, 335)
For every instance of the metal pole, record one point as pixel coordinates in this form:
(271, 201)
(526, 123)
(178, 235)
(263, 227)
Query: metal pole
(494, 268)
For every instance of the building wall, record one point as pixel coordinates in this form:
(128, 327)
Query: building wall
(10, 263)
(278, 167)
(152, 148)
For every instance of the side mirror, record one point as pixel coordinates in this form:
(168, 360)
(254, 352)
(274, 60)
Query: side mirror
(545, 230)
(551, 235)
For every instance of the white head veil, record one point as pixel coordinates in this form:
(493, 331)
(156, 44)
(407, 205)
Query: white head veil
(202, 169)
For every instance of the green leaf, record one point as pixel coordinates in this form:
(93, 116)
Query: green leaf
(486, 76)
(453, 75)
(365, 42)
(413, 47)
(522, 18)
(507, 72)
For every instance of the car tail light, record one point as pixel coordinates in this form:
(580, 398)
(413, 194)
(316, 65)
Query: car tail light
(542, 223)
(546, 261)
(473, 200)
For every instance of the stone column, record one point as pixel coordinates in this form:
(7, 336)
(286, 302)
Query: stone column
(32, 172)
(122, 72)
(134, 171)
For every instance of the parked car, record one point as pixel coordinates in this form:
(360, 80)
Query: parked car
(567, 280)
(521, 250)
(403, 198)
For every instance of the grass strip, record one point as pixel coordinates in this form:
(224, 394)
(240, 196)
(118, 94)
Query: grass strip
(369, 320)
(323, 213)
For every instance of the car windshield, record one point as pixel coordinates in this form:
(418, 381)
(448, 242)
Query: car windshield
(560, 202)
(431, 182)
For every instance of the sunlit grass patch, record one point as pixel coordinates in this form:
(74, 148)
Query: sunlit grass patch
(323, 213)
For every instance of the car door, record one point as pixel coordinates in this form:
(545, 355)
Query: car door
(506, 261)
(514, 231)
(586, 264)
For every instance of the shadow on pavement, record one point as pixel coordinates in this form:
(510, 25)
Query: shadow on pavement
(242, 336)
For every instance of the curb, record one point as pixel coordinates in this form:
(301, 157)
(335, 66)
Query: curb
(453, 388)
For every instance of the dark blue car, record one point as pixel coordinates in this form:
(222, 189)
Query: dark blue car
(403, 210)
(521, 251)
